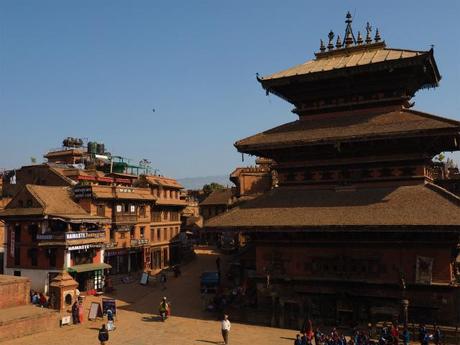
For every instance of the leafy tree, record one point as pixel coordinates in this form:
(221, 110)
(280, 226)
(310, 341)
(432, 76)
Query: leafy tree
(211, 187)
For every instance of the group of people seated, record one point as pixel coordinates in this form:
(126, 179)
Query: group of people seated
(39, 299)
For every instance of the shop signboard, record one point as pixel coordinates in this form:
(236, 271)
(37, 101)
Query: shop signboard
(109, 303)
(84, 247)
(95, 311)
(83, 192)
(109, 253)
(144, 278)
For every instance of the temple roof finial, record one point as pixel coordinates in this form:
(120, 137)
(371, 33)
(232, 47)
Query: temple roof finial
(349, 36)
(368, 35)
(338, 43)
(322, 47)
(377, 35)
(330, 45)
(348, 40)
(359, 40)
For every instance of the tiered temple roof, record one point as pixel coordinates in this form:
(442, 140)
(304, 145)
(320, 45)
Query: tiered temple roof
(358, 156)
(301, 207)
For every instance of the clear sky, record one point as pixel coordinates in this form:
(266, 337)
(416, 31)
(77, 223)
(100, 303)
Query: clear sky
(95, 69)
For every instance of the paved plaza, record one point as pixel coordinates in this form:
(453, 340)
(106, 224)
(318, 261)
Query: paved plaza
(138, 324)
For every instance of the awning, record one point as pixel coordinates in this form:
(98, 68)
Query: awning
(88, 267)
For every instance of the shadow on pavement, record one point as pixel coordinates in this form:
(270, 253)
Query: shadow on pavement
(208, 341)
(153, 318)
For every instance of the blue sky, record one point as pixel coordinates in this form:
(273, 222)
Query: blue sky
(95, 69)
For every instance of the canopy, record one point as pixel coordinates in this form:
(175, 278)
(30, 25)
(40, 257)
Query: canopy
(88, 267)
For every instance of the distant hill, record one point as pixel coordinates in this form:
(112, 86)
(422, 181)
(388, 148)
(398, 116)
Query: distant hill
(199, 182)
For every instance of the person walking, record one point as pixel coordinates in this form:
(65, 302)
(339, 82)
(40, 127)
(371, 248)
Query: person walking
(437, 336)
(163, 280)
(422, 332)
(103, 335)
(394, 334)
(406, 336)
(164, 309)
(297, 340)
(226, 325)
(110, 320)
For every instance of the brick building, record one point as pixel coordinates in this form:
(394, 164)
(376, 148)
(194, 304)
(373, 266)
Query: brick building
(47, 231)
(217, 202)
(143, 211)
(354, 230)
(165, 221)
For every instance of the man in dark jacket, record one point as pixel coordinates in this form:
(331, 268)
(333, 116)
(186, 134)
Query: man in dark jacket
(75, 318)
(103, 335)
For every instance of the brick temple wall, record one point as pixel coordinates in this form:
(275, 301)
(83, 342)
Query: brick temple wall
(14, 291)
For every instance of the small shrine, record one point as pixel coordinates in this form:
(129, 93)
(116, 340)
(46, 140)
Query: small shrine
(62, 291)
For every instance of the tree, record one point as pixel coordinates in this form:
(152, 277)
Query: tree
(211, 187)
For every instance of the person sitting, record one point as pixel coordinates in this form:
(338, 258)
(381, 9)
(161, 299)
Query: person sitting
(31, 295)
(36, 298)
(42, 300)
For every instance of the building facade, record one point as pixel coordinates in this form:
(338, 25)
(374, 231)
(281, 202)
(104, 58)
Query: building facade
(165, 221)
(354, 230)
(47, 232)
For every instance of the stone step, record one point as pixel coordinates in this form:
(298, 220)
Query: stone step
(19, 321)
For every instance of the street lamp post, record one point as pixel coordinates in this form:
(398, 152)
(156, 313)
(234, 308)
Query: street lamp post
(404, 302)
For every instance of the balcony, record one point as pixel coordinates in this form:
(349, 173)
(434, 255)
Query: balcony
(139, 242)
(71, 238)
(125, 218)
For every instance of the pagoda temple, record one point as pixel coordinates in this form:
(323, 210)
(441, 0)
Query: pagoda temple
(355, 230)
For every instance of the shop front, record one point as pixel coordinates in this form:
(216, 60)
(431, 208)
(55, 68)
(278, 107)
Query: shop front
(89, 276)
(85, 266)
(136, 259)
(118, 259)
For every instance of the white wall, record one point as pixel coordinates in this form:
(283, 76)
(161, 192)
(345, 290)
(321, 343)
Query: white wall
(38, 278)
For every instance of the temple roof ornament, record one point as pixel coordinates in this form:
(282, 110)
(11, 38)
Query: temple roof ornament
(377, 36)
(359, 40)
(349, 36)
(330, 46)
(338, 44)
(322, 47)
(350, 40)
